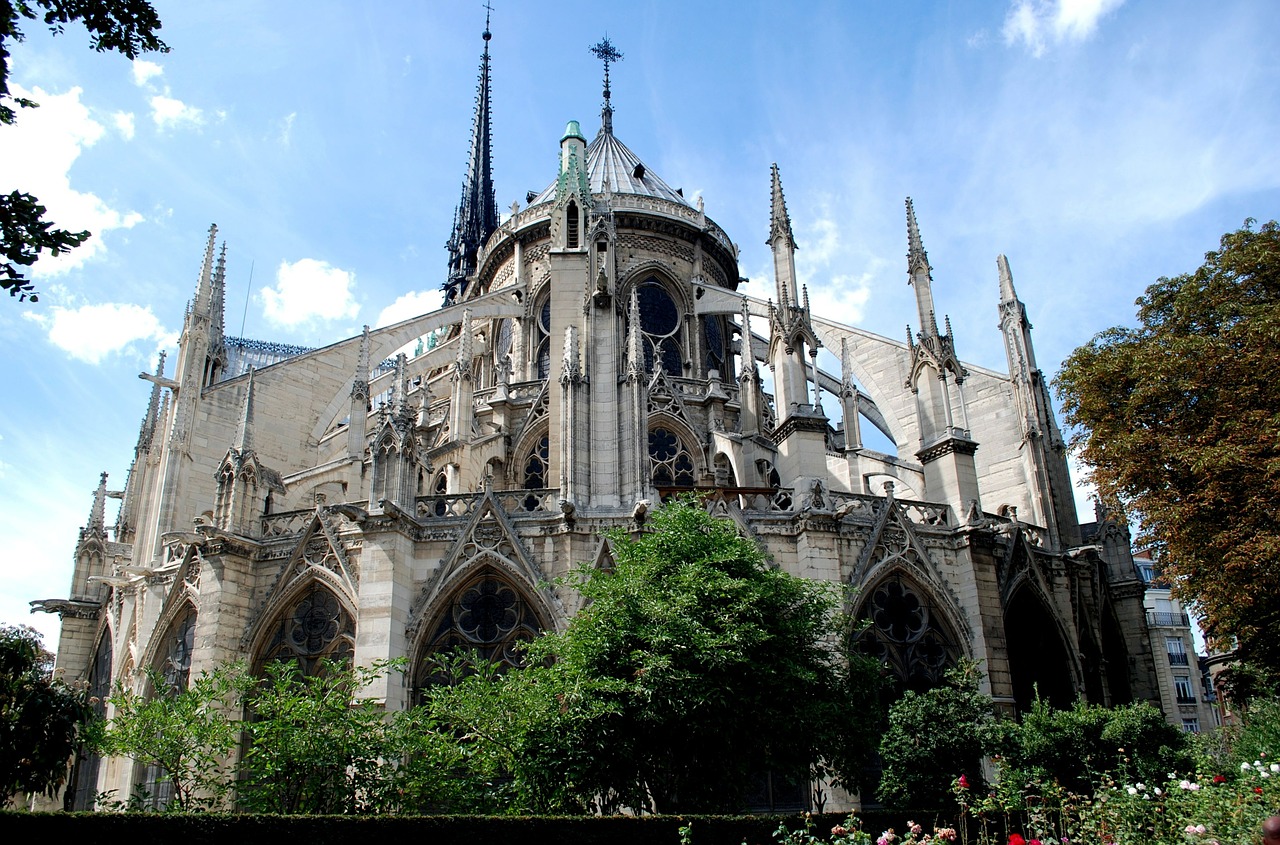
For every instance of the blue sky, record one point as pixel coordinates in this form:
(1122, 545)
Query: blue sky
(1099, 144)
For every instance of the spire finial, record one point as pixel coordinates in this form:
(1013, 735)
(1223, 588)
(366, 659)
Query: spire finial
(779, 219)
(244, 437)
(476, 217)
(97, 513)
(915, 246)
(1007, 293)
(607, 53)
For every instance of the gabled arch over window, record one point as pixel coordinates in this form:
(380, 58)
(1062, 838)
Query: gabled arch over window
(906, 634)
(313, 628)
(488, 615)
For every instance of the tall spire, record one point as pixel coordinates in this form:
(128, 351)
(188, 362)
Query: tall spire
(920, 274)
(779, 219)
(97, 514)
(477, 214)
(607, 53)
(915, 247)
(1007, 293)
(244, 436)
(204, 289)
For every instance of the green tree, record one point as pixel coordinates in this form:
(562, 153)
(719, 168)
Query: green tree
(42, 720)
(692, 667)
(933, 738)
(1081, 748)
(127, 27)
(1178, 420)
(188, 734)
(317, 746)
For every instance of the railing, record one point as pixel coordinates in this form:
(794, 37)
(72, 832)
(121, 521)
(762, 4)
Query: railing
(1178, 658)
(1186, 699)
(515, 503)
(1168, 620)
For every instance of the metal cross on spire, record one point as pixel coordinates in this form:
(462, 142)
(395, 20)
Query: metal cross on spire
(607, 53)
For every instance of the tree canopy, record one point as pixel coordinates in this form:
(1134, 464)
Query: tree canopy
(42, 720)
(127, 27)
(1178, 421)
(693, 668)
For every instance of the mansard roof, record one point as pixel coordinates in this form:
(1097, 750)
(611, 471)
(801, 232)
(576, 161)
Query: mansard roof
(609, 158)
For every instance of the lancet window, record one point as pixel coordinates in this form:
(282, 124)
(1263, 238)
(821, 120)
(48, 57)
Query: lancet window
(87, 766)
(713, 341)
(535, 465)
(173, 663)
(542, 338)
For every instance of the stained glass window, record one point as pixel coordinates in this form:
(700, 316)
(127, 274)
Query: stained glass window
(314, 628)
(487, 616)
(660, 325)
(904, 635)
(670, 464)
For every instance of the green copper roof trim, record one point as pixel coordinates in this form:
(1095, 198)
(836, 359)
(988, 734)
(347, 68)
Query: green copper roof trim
(573, 130)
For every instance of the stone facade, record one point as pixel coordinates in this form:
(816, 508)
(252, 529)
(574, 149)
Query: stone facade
(594, 356)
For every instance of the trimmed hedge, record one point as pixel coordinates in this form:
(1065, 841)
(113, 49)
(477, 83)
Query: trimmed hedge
(219, 829)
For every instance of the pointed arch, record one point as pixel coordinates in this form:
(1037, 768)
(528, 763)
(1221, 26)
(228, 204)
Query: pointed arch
(83, 781)
(313, 625)
(907, 629)
(663, 304)
(1039, 657)
(676, 458)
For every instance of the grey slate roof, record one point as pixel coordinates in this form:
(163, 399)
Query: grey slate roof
(609, 157)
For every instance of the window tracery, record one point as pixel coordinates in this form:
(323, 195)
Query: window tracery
(487, 616)
(660, 327)
(314, 628)
(904, 633)
(670, 463)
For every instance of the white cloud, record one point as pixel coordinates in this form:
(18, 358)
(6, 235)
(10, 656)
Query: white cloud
(412, 304)
(144, 71)
(286, 128)
(170, 113)
(36, 156)
(90, 333)
(124, 124)
(309, 291)
(1036, 22)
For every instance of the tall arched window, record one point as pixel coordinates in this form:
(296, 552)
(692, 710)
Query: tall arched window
(660, 328)
(670, 463)
(173, 663)
(542, 337)
(905, 634)
(314, 628)
(713, 340)
(487, 616)
(85, 776)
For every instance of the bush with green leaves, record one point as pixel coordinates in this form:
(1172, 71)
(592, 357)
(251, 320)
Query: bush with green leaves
(188, 734)
(43, 721)
(935, 737)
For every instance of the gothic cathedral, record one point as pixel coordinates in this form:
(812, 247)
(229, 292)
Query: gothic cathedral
(386, 497)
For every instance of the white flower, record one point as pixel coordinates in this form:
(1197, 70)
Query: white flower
(1141, 785)
(1131, 790)
(1158, 791)
(1275, 767)
(1244, 767)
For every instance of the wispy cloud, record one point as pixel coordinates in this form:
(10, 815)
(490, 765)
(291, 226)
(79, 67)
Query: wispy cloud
(412, 304)
(285, 135)
(167, 111)
(92, 333)
(123, 121)
(1036, 23)
(144, 71)
(37, 155)
(309, 291)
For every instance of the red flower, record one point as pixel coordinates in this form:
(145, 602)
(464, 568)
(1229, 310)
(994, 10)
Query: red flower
(1219, 779)
(1016, 839)
(963, 783)
(1258, 789)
